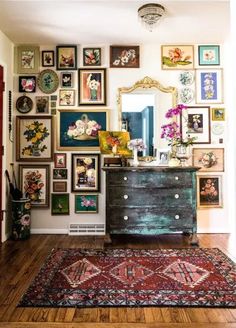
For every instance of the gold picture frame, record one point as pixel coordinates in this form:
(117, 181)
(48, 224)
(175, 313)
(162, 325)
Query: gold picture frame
(27, 58)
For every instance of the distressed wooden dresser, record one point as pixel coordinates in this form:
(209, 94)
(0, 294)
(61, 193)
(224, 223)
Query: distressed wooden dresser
(151, 200)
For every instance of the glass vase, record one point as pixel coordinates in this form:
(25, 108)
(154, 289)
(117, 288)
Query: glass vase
(135, 157)
(183, 154)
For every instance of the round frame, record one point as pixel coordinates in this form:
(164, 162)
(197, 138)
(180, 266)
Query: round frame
(48, 81)
(24, 104)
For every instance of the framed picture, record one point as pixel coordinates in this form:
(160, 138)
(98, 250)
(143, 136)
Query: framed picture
(92, 86)
(86, 203)
(218, 114)
(60, 174)
(208, 55)
(60, 204)
(42, 104)
(48, 58)
(209, 159)
(72, 131)
(209, 191)
(163, 156)
(195, 122)
(177, 57)
(48, 81)
(67, 79)
(209, 86)
(66, 97)
(59, 186)
(34, 183)
(124, 56)
(114, 142)
(27, 59)
(24, 104)
(60, 160)
(85, 172)
(34, 138)
(66, 57)
(27, 83)
(91, 56)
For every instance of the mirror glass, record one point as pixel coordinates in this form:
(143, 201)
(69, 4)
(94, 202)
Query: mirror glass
(142, 109)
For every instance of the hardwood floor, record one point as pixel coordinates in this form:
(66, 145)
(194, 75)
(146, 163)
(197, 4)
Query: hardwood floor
(21, 260)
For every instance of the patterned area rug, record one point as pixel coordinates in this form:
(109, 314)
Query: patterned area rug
(125, 277)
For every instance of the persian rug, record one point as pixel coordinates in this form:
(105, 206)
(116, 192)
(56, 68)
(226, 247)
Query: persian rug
(133, 278)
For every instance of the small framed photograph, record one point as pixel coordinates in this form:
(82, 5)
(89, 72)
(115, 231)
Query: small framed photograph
(27, 59)
(92, 56)
(42, 104)
(60, 204)
(177, 57)
(60, 174)
(48, 58)
(163, 156)
(67, 79)
(86, 203)
(66, 97)
(27, 83)
(209, 86)
(209, 159)
(59, 186)
(208, 55)
(66, 57)
(34, 183)
(60, 160)
(85, 172)
(209, 191)
(124, 56)
(218, 114)
(195, 122)
(92, 86)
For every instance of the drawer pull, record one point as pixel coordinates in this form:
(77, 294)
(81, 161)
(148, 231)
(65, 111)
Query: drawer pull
(176, 196)
(176, 217)
(176, 178)
(125, 178)
(126, 196)
(126, 217)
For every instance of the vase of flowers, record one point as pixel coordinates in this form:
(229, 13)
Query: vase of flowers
(136, 145)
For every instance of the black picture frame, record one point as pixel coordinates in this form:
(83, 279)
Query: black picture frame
(48, 59)
(27, 83)
(66, 57)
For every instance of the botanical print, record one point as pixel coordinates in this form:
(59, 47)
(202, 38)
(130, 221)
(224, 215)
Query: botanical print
(42, 104)
(66, 57)
(60, 204)
(92, 56)
(86, 203)
(114, 142)
(177, 57)
(66, 97)
(27, 83)
(27, 59)
(209, 159)
(122, 57)
(66, 80)
(209, 86)
(209, 55)
(209, 191)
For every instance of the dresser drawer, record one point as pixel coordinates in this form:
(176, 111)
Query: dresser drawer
(150, 179)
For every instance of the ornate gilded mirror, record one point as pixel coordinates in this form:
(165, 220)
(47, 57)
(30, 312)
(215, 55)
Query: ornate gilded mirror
(141, 111)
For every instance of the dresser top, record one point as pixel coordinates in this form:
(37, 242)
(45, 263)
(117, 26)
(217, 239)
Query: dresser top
(150, 168)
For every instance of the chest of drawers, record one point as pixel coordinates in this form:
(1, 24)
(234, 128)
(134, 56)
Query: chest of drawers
(151, 200)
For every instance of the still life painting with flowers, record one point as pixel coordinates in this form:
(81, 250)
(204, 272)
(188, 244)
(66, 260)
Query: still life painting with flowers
(209, 191)
(177, 57)
(114, 142)
(209, 159)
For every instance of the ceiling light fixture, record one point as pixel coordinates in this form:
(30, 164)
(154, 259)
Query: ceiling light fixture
(150, 14)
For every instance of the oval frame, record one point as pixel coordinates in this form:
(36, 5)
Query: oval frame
(54, 81)
(24, 104)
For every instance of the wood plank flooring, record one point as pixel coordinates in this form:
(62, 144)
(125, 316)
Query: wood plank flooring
(20, 261)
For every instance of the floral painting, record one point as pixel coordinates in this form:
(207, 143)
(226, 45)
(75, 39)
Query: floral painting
(34, 183)
(67, 79)
(85, 203)
(209, 86)
(124, 56)
(27, 59)
(60, 204)
(79, 129)
(34, 138)
(42, 104)
(92, 86)
(209, 159)
(27, 83)
(209, 191)
(208, 55)
(114, 142)
(92, 56)
(177, 57)
(66, 57)
(66, 97)
(85, 172)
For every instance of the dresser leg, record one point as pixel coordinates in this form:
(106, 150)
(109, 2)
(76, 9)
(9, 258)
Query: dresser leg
(194, 240)
(107, 239)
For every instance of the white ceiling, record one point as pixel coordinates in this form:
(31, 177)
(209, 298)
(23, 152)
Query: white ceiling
(112, 22)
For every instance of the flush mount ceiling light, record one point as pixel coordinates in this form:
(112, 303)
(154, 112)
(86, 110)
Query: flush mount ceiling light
(150, 14)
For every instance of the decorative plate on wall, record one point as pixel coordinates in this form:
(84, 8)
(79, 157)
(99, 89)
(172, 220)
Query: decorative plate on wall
(24, 104)
(186, 78)
(48, 81)
(186, 95)
(217, 128)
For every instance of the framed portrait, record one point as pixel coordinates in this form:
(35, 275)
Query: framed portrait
(209, 159)
(85, 172)
(27, 59)
(48, 81)
(209, 86)
(114, 142)
(24, 104)
(59, 186)
(73, 131)
(66, 57)
(86, 203)
(208, 55)
(42, 104)
(218, 114)
(60, 160)
(34, 183)
(195, 123)
(163, 156)
(209, 191)
(177, 57)
(34, 138)
(66, 97)
(60, 204)
(67, 79)
(124, 56)
(92, 56)
(60, 174)
(48, 58)
(92, 86)
(27, 83)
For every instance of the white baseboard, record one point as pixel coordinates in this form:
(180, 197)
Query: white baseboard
(49, 231)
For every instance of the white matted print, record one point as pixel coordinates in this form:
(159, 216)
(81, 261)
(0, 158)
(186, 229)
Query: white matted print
(209, 87)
